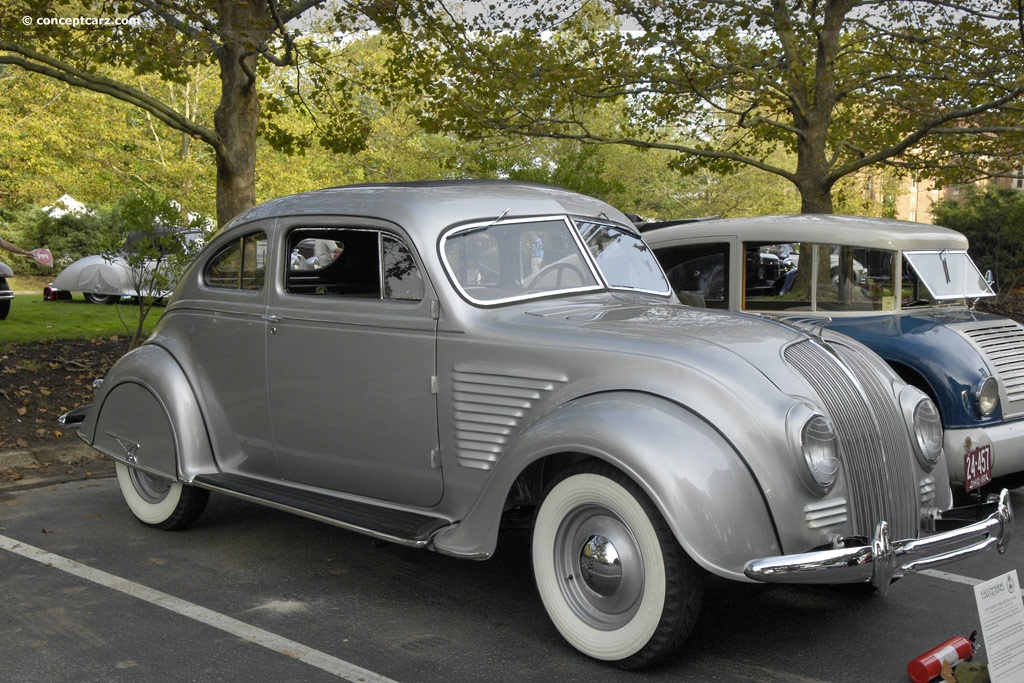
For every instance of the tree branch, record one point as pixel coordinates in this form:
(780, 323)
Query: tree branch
(33, 61)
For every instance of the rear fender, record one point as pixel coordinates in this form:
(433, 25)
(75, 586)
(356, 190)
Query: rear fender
(693, 475)
(146, 416)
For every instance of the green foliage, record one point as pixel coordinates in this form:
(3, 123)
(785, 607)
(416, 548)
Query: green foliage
(994, 224)
(69, 236)
(61, 140)
(810, 92)
(148, 234)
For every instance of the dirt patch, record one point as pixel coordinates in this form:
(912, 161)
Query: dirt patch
(41, 381)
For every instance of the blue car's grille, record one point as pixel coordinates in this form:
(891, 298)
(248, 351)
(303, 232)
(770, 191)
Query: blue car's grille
(874, 446)
(1002, 345)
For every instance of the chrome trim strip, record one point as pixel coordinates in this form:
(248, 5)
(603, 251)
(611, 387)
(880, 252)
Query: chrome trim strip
(884, 560)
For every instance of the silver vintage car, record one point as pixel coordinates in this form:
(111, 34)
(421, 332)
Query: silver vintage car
(419, 362)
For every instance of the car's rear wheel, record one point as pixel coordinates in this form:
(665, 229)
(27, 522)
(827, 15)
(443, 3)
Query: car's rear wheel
(100, 298)
(611, 575)
(160, 503)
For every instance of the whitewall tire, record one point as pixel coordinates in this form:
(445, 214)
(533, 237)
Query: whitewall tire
(157, 502)
(612, 577)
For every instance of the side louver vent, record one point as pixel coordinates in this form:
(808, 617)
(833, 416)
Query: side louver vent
(489, 405)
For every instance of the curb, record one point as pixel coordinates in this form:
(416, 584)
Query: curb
(45, 465)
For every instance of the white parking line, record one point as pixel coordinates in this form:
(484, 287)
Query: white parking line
(956, 578)
(271, 641)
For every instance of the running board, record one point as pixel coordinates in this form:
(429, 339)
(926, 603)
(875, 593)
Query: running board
(397, 526)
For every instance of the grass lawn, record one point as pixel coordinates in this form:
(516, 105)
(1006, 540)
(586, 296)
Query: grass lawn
(33, 319)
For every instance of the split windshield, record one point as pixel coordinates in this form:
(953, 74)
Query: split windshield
(948, 274)
(519, 259)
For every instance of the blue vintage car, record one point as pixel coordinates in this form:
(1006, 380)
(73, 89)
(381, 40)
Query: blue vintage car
(907, 290)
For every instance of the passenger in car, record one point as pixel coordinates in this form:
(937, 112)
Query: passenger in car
(326, 252)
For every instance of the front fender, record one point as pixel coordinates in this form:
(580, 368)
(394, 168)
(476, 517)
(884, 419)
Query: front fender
(146, 415)
(692, 473)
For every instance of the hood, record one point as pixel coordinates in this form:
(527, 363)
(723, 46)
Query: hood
(709, 340)
(931, 344)
(636, 317)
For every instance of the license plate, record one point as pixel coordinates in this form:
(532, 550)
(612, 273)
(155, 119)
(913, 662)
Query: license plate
(977, 467)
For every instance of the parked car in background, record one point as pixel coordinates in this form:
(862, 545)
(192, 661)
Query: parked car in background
(907, 290)
(473, 353)
(105, 279)
(6, 295)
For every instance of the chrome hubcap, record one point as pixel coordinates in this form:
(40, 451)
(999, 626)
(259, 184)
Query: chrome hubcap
(600, 567)
(150, 489)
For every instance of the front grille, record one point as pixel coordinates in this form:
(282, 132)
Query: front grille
(1002, 345)
(874, 446)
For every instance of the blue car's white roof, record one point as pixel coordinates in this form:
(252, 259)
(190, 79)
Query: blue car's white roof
(857, 231)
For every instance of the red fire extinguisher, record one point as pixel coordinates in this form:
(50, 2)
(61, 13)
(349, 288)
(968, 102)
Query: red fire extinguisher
(929, 665)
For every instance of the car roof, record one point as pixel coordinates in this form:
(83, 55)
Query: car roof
(430, 206)
(860, 231)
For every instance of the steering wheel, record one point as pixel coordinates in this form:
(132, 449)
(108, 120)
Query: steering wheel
(557, 268)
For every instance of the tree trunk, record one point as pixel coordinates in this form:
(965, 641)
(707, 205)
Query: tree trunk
(815, 197)
(237, 117)
(812, 170)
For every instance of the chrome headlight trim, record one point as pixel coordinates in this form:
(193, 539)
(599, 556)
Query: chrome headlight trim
(815, 446)
(928, 433)
(986, 396)
(925, 425)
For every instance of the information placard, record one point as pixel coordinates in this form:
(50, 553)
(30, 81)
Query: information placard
(1002, 627)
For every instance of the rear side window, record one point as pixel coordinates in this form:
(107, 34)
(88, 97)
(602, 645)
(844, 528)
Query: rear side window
(240, 264)
(352, 263)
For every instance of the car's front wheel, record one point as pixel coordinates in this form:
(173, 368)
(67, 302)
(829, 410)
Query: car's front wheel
(159, 503)
(611, 575)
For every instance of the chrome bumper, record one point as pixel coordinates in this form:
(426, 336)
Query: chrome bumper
(884, 560)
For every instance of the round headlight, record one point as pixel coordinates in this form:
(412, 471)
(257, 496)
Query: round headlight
(818, 443)
(928, 430)
(987, 396)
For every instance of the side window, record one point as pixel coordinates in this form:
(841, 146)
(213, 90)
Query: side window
(770, 277)
(239, 265)
(699, 273)
(822, 277)
(352, 263)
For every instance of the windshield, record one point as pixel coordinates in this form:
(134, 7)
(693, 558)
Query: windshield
(525, 258)
(948, 274)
